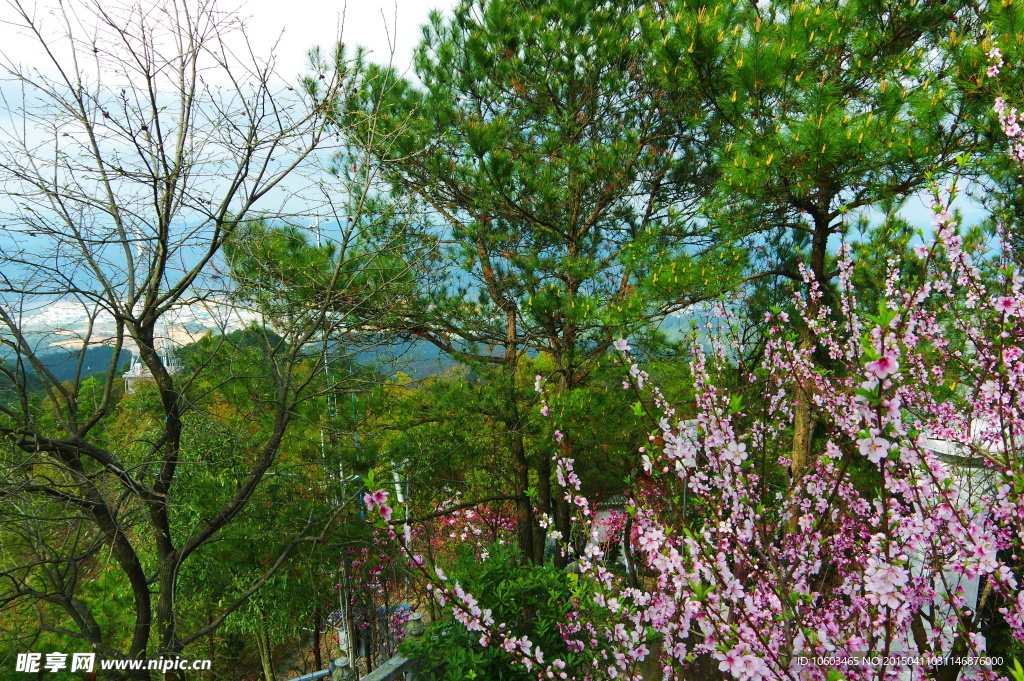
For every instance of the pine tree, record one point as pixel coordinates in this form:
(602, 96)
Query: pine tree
(559, 176)
(825, 108)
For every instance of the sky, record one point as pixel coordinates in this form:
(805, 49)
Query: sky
(388, 29)
(296, 25)
(375, 24)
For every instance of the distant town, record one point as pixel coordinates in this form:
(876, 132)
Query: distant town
(71, 324)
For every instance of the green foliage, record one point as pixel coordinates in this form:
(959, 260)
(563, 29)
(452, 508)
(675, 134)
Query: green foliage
(1002, 191)
(825, 111)
(882, 247)
(557, 172)
(558, 177)
(830, 106)
(532, 600)
(443, 432)
(564, 174)
(1017, 671)
(603, 436)
(289, 278)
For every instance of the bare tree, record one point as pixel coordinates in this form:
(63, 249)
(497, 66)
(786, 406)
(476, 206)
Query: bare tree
(141, 148)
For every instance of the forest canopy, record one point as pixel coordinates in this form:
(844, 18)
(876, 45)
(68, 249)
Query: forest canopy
(611, 341)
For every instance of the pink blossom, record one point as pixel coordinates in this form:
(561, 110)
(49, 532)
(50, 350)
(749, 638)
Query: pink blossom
(729, 556)
(995, 56)
(652, 539)
(735, 452)
(621, 345)
(1006, 305)
(732, 663)
(883, 582)
(990, 389)
(377, 498)
(883, 366)
(639, 653)
(875, 448)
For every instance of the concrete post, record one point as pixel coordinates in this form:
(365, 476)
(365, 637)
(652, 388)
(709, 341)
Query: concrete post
(341, 669)
(414, 627)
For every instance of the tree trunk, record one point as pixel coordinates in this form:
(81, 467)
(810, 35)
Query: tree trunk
(563, 523)
(263, 642)
(165, 615)
(803, 432)
(526, 526)
(524, 507)
(212, 646)
(317, 661)
(543, 500)
(803, 421)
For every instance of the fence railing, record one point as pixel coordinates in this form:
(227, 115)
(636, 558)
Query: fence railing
(393, 668)
(389, 671)
(341, 669)
(313, 676)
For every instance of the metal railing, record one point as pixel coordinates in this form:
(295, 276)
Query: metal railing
(341, 669)
(313, 676)
(393, 668)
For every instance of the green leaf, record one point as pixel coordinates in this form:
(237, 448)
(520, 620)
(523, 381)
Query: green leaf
(1016, 671)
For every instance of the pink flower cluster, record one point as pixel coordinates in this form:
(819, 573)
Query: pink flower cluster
(378, 499)
(839, 571)
(771, 579)
(1010, 121)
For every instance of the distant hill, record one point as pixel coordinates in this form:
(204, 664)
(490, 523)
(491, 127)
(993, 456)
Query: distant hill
(63, 364)
(418, 359)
